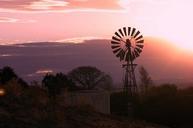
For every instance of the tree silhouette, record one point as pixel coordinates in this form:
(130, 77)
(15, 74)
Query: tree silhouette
(23, 83)
(87, 77)
(145, 79)
(7, 74)
(55, 84)
(163, 105)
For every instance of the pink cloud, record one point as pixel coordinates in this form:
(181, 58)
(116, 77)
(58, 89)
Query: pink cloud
(47, 5)
(96, 4)
(14, 20)
(58, 5)
(8, 20)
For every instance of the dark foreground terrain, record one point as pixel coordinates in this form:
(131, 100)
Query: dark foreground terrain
(70, 117)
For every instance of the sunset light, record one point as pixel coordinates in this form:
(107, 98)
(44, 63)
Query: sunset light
(96, 63)
(49, 20)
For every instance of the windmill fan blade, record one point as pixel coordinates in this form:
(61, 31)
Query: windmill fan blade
(139, 45)
(113, 47)
(117, 34)
(136, 53)
(121, 54)
(129, 31)
(140, 37)
(123, 45)
(115, 51)
(140, 42)
(125, 31)
(114, 38)
(138, 49)
(114, 42)
(121, 32)
(136, 34)
(133, 31)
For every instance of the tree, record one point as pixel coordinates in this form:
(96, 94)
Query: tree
(163, 104)
(87, 77)
(55, 84)
(145, 79)
(7, 74)
(22, 83)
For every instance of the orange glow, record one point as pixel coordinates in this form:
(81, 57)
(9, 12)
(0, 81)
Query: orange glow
(173, 61)
(2, 92)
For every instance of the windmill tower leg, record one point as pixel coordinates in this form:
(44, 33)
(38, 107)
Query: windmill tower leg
(133, 78)
(126, 80)
(130, 85)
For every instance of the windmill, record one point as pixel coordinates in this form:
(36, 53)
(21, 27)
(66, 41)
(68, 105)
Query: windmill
(127, 44)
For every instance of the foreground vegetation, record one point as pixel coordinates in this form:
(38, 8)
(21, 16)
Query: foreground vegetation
(165, 104)
(37, 106)
(33, 108)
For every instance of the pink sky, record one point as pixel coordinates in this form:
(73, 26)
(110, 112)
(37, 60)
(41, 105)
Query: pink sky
(60, 20)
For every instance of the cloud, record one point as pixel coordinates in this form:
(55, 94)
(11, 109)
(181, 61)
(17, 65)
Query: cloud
(8, 20)
(4, 41)
(57, 5)
(40, 72)
(15, 20)
(81, 39)
(44, 71)
(47, 4)
(5, 55)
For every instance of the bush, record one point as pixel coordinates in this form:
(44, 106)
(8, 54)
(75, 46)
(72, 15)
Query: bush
(166, 105)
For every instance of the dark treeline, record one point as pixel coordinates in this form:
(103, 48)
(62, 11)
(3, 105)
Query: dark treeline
(39, 105)
(165, 104)
(80, 78)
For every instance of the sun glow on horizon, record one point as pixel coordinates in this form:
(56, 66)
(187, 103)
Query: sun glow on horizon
(168, 19)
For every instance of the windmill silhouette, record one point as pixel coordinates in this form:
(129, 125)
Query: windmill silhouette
(127, 44)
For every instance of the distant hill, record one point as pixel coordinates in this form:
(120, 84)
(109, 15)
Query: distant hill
(164, 62)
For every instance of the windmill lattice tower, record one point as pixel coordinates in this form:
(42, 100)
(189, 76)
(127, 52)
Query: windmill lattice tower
(127, 44)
